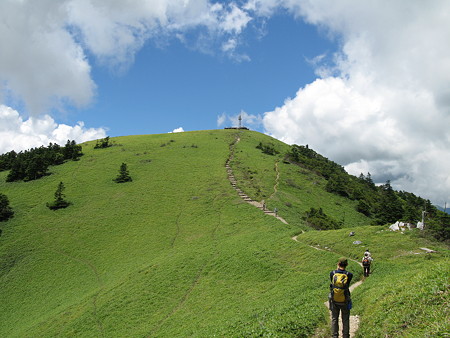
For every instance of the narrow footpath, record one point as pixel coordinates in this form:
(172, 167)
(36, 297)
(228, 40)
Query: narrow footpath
(354, 320)
(242, 194)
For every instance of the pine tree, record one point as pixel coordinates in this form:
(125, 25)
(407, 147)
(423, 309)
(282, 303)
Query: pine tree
(124, 175)
(59, 201)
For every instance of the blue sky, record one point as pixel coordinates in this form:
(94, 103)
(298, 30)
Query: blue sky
(366, 84)
(173, 86)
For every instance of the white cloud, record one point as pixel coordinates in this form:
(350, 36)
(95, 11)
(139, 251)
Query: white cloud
(44, 44)
(235, 20)
(177, 130)
(40, 63)
(230, 47)
(221, 119)
(18, 134)
(247, 120)
(384, 106)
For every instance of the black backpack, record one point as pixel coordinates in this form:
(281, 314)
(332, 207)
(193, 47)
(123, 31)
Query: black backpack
(366, 261)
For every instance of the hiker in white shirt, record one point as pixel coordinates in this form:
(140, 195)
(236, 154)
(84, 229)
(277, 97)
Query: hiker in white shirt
(366, 261)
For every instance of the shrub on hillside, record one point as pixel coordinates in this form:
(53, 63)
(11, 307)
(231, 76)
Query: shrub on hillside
(5, 210)
(102, 143)
(268, 149)
(317, 219)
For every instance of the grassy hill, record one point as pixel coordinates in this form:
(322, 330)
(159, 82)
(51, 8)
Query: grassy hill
(176, 252)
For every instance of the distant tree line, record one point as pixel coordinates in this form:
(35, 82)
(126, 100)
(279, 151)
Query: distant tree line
(33, 163)
(381, 203)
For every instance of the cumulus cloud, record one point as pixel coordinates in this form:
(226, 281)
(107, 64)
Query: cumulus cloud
(44, 44)
(40, 63)
(384, 105)
(18, 134)
(177, 130)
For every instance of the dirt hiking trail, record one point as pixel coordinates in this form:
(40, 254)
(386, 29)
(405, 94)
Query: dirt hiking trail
(354, 320)
(243, 195)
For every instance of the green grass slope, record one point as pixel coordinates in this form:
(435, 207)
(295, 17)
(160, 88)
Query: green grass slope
(296, 191)
(176, 252)
(408, 292)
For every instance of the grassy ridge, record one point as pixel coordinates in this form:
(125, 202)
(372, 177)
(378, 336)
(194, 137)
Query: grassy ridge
(174, 246)
(175, 252)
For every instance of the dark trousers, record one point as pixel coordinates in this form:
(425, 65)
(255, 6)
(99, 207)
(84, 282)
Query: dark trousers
(366, 270)
(337, 309)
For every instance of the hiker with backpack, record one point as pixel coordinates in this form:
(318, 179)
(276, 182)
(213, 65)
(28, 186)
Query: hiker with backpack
(366, 261)
(339, 298)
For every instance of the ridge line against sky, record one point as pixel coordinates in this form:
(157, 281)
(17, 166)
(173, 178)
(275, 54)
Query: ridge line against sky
(366, 84)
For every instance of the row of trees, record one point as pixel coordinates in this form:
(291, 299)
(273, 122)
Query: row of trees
(33, 163)
(381, 203)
